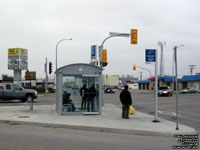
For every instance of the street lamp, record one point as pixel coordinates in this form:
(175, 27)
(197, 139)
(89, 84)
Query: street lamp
(175, 58)
(57, 48)
(112, 34)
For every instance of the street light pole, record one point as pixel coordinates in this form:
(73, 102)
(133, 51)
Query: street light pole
(112, 34)
(176, 72)
(57, 48)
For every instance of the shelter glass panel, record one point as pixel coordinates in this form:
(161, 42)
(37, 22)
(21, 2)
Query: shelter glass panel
(79, 99)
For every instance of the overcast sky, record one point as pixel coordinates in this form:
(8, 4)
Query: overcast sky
(38, 25)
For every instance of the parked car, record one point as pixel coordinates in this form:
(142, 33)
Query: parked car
(52, 89)
(12, 91)
(122, 87)
(109, 90)
(165, 91)
(189, 90)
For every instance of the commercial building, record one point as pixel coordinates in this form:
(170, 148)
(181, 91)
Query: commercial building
(112, 80)
(187, 81)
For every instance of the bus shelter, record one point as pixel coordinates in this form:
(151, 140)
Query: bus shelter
(70, 97)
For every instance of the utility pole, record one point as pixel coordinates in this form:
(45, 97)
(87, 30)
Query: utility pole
(191, 67)
(140, 76)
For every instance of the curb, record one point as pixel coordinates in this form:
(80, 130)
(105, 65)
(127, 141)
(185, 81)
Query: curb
(87, 128)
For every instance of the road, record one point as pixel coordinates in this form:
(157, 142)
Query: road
(19, 137)
(189, 105)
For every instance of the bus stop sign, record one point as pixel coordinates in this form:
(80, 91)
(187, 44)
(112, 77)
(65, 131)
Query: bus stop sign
(150, 56)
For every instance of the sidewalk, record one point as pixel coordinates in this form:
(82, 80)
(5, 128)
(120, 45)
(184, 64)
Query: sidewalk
(109, 121)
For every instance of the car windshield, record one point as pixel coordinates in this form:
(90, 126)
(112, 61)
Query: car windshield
(163, 88)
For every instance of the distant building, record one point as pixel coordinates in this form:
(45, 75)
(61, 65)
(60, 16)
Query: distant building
(187, 81)
(128, 79)
(110, 80)
(6, 79)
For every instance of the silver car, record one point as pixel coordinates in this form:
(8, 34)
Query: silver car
(189, 90)
(165, 91)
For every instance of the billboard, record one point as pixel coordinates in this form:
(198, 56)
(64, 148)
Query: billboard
(30, 75)
(17, 59)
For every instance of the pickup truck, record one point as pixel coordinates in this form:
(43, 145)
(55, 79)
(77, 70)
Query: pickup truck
(12, 91)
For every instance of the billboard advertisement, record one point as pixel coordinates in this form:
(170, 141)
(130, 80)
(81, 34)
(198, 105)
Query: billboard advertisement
(30, 75)
(17, 59)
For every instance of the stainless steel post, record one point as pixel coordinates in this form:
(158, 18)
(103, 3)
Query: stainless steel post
(156, 90)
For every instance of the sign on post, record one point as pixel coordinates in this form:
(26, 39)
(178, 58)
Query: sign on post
(94, 52)
(17, 59)
(150, 56)
(30, 75)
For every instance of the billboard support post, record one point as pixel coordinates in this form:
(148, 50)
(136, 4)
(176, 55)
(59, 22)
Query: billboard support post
(17, 76)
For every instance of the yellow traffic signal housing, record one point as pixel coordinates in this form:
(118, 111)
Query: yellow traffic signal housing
(134, 67)
(104, 57)
(134, 36)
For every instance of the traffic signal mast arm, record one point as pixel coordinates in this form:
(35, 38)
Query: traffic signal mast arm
(145, 69)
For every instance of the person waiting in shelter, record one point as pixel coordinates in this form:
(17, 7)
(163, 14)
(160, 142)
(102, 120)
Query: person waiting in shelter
(91, 96)
(67, 100)
(126, 100)
(84, 94)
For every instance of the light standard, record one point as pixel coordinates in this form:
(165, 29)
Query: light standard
(175, 59)
(57, 48)
(112, 34)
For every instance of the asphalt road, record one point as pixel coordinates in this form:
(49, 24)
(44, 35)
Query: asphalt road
(19, 137)
(189, 106)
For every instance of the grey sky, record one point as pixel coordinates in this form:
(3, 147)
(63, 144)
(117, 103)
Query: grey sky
(38, 25)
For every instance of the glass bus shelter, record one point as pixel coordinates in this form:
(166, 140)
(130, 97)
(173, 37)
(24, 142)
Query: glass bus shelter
(71, 99)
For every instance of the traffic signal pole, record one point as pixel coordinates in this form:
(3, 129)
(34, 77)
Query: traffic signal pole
(46, 76)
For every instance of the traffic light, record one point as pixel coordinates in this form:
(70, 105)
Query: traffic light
(104, 58)
(50, 67)
(134, 67)
(133, 36)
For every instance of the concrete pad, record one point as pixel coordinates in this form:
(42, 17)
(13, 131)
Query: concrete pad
(109, 121)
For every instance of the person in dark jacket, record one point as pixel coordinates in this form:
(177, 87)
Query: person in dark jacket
(84, 95)
(91, 96)
(67, 100)
(126, 100)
